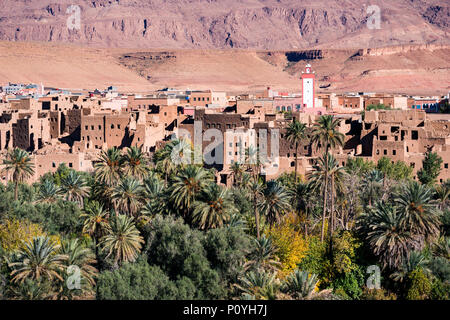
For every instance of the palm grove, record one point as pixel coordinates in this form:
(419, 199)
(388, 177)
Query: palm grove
(149, 229)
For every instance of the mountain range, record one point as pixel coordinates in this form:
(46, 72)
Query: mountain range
(221, 24)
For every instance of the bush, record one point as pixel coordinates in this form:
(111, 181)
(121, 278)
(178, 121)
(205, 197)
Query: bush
(377, 294)
(14, 233)
(290, 244)
(61, 217)
(226, 249)
(440, 290)
(178, 251)
(430, 169)
(397, 171)
(419, 285)
(349, 285)
(138, 281)
(314, 259)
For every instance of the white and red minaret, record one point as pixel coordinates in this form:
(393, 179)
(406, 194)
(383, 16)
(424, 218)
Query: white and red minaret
(308, 84)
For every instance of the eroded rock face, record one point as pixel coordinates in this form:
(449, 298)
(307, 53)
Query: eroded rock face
(256, 24)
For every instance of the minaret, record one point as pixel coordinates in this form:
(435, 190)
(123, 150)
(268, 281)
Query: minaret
(308, 91)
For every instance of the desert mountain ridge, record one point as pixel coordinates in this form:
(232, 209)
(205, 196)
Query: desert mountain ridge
(221, 24)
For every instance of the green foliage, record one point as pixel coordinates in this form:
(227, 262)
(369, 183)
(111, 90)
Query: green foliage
(377, 294)
(138, 281)
(379, 106)
(397, 171)
(430, 169)
(288, 180)
(61, 217)
(226, 249)
(419, 286)
(345, 246)
(178, 251)
(445, 220)
(440, 268)
(300, 284)
(315, 258)
(359, 166)
(440, 290)
(349, 285)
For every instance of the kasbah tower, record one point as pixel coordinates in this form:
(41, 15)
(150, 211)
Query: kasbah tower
(308, 84)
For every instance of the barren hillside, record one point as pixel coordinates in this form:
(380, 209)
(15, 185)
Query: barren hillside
(408, 69)
(219, 24)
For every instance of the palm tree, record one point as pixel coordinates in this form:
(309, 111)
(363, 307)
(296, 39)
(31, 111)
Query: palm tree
(256, 188)
(38, 259)
(337, 175)
(263, 255)
(74, 187)
(214, 207)
(276, 201)
(123, 240)
(31, 290)
(383, 227)
(236, 169)
(443, 196)
(441, 248)
(327, 170)
(418, 210)
(259, 284)
(413, 261)
(49, 192)
(163, 161)
(135, 163)
(175, 153)
(253, 161)
(245, 181)
(302, 195)
(95, 222)
(154, 190)
(18, 162)
(187, 185)
(82, 257)
(300, 284)
(325, 134)
(296, 132)
(372, 184)
(128, 196)
(108, 169)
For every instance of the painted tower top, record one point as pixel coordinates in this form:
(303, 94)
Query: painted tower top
(308, 69)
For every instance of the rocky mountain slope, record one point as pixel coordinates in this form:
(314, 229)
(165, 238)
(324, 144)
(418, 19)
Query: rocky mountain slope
(218, 24)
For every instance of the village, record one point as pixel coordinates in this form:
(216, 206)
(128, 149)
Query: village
(58, 126)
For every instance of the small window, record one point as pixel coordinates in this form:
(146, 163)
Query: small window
(415, 135)
(70, 165)
(446, 165)
(394, 152)
(385, 152)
